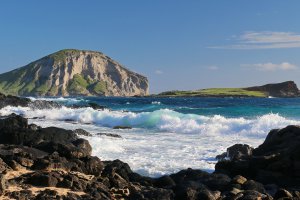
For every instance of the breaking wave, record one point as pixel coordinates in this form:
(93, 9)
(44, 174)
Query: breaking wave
(162, 120)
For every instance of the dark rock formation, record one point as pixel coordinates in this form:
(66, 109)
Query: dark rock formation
(82, 132)
(93, 105)
(13, 101)
(284, 89)
(25, 102)
(110, 135)
(96, 106)
(41, 104)
(122, 127)
(275, 161)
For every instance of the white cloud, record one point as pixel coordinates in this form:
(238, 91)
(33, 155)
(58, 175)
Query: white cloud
(264, 40)
(284, 66)
(213, 67)
(158, 72)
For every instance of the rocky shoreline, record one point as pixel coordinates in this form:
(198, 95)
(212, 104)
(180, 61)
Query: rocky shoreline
(54, 163)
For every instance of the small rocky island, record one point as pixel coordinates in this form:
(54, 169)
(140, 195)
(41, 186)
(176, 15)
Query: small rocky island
(54, 163)
(285, 90)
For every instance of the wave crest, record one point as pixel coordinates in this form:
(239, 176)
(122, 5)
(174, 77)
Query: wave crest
(162, 120)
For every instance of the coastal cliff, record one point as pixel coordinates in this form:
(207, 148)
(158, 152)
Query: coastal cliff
(284, 89)
(74, 72)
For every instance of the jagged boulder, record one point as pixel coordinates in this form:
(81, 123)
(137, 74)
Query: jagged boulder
(277, 160)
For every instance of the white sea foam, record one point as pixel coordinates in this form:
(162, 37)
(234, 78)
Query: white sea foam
(162, 141)
(164, 120)
(156, 102)
(59, 99)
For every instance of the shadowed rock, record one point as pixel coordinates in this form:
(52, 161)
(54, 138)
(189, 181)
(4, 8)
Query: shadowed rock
(275, 161)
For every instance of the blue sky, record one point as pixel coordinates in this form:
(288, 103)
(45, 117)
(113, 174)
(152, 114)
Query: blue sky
(176, 44)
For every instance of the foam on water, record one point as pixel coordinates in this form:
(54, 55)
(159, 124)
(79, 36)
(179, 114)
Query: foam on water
(59, 99)
(163, 120)
(162, 141)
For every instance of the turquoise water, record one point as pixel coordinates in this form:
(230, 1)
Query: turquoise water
(228, 107)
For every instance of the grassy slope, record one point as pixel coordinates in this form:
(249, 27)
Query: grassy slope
(84, 85)
(215, 92)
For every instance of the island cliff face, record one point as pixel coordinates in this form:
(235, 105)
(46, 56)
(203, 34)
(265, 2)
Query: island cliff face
(74, 72)
(284, 89)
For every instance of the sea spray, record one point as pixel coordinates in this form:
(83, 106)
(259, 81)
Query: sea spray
(163, 120)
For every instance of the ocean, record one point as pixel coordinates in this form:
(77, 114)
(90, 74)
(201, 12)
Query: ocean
(168, 134)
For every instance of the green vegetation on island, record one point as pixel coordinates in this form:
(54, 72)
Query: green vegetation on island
(84, 85)
(284, 89)
(215, 92)
(61, 55)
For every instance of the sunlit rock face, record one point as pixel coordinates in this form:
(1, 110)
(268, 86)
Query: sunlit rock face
(73, 73)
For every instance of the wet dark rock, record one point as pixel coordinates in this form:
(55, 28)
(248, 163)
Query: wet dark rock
(117, 166)
(192, 190)
(93, 165)
(253, 185)
(110, 135)
(251, 195)
(67, 150)
(282, 193)
(82, 132)
(222, 156)
(14, 130)
(217, 182)
(34, 127)
(213, 181)
(41, 104)
(206, 194)
(165, 182)
(96, 106)
(84, 146)
(13, 122)
(122, 127)
(275, 161)
(13, 101)
(93, 105)
(21, 152)
(151, 193)
(69, 120)
(239, 151)
(98, 190)
(25, 102)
